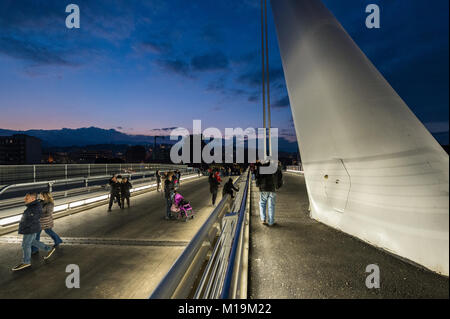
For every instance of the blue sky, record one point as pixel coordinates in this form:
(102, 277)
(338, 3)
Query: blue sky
(142, 66)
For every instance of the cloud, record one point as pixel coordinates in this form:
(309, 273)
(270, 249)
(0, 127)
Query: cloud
(212, 34)
(209, 62)
(254, 78)
(35, 52)
(254, 98)
(177, 66)
(152, 47)
(217, 85)
(281, 102)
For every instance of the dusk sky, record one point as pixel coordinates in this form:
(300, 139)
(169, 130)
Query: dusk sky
(140, 66)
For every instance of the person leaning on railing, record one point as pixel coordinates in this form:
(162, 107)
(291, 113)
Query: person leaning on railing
(229, 187)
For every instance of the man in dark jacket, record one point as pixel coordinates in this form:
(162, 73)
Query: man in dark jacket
(158, 180)
(125, 194)
(229, 187)
(268, 184)
(29, 226)
(213, 186)
(169, 188)
(114, 192)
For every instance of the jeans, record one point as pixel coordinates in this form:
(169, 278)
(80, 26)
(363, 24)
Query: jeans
(29, 240)
(56, 239)
(267, 199)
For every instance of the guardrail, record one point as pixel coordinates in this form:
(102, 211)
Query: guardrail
(84, 185)
(13, 174)
(295, 168)
(9, 223)
(185, 278)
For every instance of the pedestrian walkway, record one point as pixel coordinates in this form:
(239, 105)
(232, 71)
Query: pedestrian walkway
(302, 258)
(120, 254)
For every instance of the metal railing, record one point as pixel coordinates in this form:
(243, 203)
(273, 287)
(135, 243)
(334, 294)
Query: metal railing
(296, 168)
(223, 273)
(10, 217)
(12, 195)
(194, 275)
(15, 174)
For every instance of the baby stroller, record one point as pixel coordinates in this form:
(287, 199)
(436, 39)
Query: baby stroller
(182, 207)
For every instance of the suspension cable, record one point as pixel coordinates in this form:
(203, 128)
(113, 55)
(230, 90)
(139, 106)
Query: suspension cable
(263, 73)
(267, 76)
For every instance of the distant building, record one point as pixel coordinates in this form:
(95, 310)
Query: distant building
(90, 156)
(136, 154)
(20, 149)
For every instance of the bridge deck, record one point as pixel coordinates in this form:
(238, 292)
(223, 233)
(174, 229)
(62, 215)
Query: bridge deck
(302, 258)
(121, 254)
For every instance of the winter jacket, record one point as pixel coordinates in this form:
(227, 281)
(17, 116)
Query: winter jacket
(213, 183)
(115, 187)
(30, 222)
(125, 189)
(47, 215)
(228, 188)
(268, 182)
(169, 187)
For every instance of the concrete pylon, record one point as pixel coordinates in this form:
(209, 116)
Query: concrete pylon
(371, 168)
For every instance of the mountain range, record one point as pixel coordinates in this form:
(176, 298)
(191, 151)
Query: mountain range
(94, 135)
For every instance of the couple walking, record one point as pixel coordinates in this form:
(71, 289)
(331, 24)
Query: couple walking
(37, 216)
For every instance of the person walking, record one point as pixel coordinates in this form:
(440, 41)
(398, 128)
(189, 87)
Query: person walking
(268, 184)
(29, 227)
(46, 221)
(125, 187)
(158, 180)
(214, 183)
(114, 192)
(169, 188)
(178, 177)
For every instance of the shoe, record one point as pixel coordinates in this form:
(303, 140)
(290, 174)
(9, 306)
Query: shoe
(50, 253)
(21, 266)
(271, 225)
(264, 222)
(109, 210)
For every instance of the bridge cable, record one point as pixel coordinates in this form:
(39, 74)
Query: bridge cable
(263, 76)
(267, 70)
